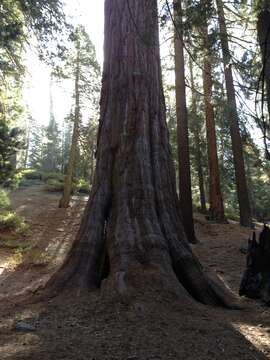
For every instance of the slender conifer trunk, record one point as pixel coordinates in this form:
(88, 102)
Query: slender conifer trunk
(216, 210)
(237, 148)
(65, 200)
(185, 194)
(263, 30)
(198, 141)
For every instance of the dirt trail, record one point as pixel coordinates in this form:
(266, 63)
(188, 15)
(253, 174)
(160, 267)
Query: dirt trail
(88, 328)
(41, 250)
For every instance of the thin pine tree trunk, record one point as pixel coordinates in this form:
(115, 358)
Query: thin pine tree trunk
(197, 138)
(263, 30)
(239, 166)
(65, 200)
(185, 194)
(216, 210)
(26, 156)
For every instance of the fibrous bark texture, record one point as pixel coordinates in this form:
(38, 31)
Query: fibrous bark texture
(185, 193)
(131, 230)
(198, 140)
(237, 148)
(216, 210)
(263, 30)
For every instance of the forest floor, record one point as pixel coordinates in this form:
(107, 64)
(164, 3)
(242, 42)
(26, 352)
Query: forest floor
(91, 327)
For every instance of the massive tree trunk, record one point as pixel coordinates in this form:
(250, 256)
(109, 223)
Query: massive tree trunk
(131, 231)
(216, 210)
(185, 194)
(65, 200)
(198, 141)
(239, 166)
(263, 30)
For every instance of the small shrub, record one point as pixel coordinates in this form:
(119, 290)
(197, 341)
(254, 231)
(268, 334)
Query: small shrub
(17, 179)
(9, 220)
(4, 199)
(24, 177)
(232, 214)
(83, 186)
(53, 176)
(53, 185)
(32, 174)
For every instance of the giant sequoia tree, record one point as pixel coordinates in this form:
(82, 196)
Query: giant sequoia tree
(131, 231)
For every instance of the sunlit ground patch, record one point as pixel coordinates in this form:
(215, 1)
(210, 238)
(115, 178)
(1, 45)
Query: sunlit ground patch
(3, 266)
(257, 335)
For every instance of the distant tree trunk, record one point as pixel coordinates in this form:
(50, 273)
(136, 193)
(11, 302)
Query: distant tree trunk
(185, 194)
(65, 200)
(63, 148)
(13, 161)
(131, 232)
(92, 165)
(50, 158)
(263, 30)
(216, 210)
(201, 180)
(239, 166)
(197, 138)
(27, 143)
(250, 186)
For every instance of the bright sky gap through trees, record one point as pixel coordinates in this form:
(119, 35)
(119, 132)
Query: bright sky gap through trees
(90, 14)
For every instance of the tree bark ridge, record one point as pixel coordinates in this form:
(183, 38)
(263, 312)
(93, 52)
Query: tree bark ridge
(133, 217)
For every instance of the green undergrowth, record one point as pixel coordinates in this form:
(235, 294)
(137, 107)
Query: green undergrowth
(53, 185)
(53, 181)
(4, 199)
(230, 212)
(83, 186)
(53, 176)
(30, 256)
(9, 220)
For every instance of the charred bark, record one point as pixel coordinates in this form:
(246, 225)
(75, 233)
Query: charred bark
(131, 230)
(185, 194)
(237, 148)
(255, 280)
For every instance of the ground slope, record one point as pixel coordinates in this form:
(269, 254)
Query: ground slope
(86, 327)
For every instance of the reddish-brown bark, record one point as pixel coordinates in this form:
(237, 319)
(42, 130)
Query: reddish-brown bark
(131, 230)
(185, 194)
(216, 210)
(263, 31)
(65, 199)
(237, 148)
(198, 140)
